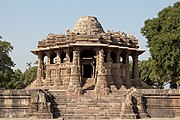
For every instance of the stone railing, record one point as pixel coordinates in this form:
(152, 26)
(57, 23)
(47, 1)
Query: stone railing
(25, 104)
(162, 103)
(14, 103)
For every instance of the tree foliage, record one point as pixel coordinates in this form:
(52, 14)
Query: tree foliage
(5, 63)
(150, 74)
(9, 78)
(27, 77)
(163, 35)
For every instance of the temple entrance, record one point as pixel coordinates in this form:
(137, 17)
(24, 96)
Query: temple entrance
(88, 67)
(88, 70)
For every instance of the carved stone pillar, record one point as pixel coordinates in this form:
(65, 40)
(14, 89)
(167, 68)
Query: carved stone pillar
(127, 57)
(101, 84)
(40, 63)
(48, 57)
(58, 82)
(127, 81)
(68, 69)
(47, 64)
(74, 84)
(109, 55)
(109, 62)
(58, 56)
(39, 70)
(97, 60)
(118, 80)
(67, 51)
(136, 70)
(118, 56)
(48, 70)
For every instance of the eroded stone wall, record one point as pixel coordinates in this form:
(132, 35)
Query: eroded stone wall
(119, 104)
(25, 104)
(162, 103)
(14, 103)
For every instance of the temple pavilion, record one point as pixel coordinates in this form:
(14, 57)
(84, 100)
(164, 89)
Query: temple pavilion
(87, 58)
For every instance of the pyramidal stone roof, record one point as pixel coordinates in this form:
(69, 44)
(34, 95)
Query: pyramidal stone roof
(88, 25)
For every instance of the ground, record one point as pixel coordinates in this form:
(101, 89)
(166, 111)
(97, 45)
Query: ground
(110, 119)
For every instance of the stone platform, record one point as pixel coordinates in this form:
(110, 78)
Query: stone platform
(123, 103)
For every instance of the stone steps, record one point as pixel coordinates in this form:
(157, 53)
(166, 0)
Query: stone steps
(86, 107)
(89, 84)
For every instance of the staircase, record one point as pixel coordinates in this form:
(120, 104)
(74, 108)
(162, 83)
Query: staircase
(117, 104)
(88, 82)
(86, 107)
(88, 85)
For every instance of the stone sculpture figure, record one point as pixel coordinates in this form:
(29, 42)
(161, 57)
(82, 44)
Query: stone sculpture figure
(34, 98)
(40, 104)
(34, 103)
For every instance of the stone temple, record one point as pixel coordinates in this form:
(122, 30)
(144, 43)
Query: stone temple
(85, 75)
(87, 58)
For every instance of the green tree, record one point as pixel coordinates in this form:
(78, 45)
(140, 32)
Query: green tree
(163, 35)
(150, 74)
(5, 64)
(27, 77)
(9, 78)
(145, 70)
(15, 79)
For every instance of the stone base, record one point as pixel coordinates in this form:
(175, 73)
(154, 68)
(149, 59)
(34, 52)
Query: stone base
(127, 112)
(40, 115)
(101, 90)
(73, 91)
(144, 115)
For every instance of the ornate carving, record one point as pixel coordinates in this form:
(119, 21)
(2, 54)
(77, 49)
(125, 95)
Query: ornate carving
(51, 36)
(103, 70)
(101, 57)
(68, 71)
(75, 57)
(138, 103)
(40, 104)
(48, 73)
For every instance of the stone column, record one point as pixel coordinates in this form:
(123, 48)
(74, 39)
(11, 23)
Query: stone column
(118, 56)
(118, 80)
(67, 51)
(58, 82)
(101, 84)
(48, 70)
(47, 64)
(48, 57)
(40, 63)
(39, 70)
(58, 62)
(74, 84)
(127, 81)
(68, 69)
(109, 61)
(136, 70)
(109, 55)
(97, 60)
(58, 56)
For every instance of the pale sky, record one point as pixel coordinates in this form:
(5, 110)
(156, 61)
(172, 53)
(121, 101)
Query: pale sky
(25, 22)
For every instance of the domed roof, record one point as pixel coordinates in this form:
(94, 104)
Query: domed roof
(88, 25)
